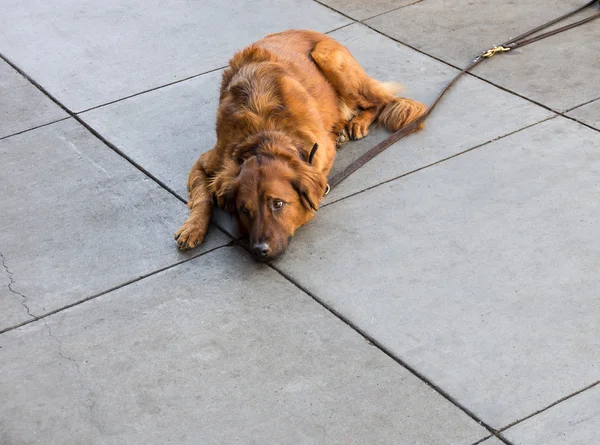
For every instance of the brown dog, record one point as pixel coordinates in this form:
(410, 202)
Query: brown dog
(285, 104)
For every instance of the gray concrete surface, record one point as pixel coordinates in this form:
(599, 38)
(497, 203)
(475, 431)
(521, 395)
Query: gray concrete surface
(77, 220)
(588, 114)
(88, 54)
(457, 30)
(575, 421)
(215, 351)
(164, 130)
(22, 105)
(556, 73)
(361, 10)
(492, 441)
(478, 273)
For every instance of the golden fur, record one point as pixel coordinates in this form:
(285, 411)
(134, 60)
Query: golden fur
(279, 97)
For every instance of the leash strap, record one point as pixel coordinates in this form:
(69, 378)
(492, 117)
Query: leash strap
(509, 45)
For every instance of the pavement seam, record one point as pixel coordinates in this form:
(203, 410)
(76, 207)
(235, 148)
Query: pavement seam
(118, 286)
(574, 119)
(438, 162)
(387, 12)
(11, 282)
(34, 128)
(493, 436)
(502, 439)
(550, 406)
(152, 89)
(375, 343)
(175, 82)
(341, 27)
(483, 439)
(180, 80)
(580, 122)
(581, 105)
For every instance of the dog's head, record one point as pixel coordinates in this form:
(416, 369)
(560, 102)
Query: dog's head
(272, 190)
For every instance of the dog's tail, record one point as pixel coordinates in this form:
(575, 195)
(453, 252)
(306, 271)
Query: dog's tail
(400, 111)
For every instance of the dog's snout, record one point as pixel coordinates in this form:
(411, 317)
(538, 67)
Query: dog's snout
(261, 250)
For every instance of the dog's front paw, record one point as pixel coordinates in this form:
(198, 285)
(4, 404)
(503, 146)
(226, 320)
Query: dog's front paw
(357, 128)
(189, 235)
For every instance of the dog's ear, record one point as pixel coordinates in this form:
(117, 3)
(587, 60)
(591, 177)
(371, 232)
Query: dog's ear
(245, 151)
(310, 186)
(224, 186)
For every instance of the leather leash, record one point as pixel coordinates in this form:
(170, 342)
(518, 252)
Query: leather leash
(509, 45)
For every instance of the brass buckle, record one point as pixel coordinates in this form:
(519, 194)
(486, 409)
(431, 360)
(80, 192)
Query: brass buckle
(496, 49)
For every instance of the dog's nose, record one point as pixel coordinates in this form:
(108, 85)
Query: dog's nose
(261, 250)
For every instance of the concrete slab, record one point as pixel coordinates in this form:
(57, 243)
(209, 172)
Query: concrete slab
(22, 105)
(463, 120)
(361, 10)
(588, 114)
(456, 31)
(573, 422)
(87, 54)
(77, 219)
(218, 350)
(480, 272)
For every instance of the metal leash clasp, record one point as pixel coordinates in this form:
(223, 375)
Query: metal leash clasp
(496, 49)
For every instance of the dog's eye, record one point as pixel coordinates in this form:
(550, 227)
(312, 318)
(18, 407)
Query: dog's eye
(277, 204)
(244, 210)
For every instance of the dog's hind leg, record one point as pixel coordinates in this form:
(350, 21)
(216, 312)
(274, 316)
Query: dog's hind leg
(367, 98)
(193, 230)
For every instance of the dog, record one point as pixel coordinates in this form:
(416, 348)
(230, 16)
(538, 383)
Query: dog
(286, 103)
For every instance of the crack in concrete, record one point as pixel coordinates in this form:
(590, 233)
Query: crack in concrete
(90, 401)
(10, 286)
(60, 352)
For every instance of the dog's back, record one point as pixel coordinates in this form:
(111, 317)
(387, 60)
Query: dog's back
(275, 79)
